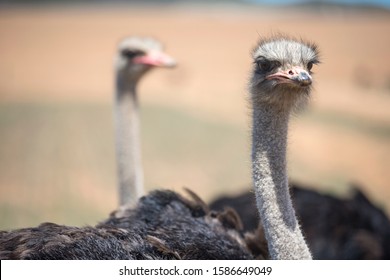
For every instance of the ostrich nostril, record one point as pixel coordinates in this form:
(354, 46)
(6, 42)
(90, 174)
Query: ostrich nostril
(290, 72)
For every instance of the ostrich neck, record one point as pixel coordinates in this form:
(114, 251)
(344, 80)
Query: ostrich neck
(128, 150)
(269, 171)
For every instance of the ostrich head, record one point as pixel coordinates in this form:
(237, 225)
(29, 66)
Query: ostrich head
(282, 75)
(137, 55)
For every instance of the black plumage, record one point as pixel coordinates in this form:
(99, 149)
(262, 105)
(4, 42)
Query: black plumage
(164, 225)
(335, 228)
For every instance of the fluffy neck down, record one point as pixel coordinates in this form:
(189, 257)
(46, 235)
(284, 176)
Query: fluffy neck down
(269, 171)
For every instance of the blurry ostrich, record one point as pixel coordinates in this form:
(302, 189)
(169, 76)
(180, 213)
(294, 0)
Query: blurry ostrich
(135, 57)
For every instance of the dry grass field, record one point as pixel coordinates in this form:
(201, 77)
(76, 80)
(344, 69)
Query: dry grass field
(56, 90)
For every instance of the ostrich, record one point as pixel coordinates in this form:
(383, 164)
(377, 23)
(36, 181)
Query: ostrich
(165, 225)
(135, 57)
(280, 83)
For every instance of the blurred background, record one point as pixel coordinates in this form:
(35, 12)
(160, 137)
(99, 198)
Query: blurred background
(56, 96)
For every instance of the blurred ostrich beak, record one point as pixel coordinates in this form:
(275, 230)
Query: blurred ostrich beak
(156, 59)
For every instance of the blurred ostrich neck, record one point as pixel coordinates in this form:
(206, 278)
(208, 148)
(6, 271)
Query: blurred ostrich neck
(270, 126)
(128, 150)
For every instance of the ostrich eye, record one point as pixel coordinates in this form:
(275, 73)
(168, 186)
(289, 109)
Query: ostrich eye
(310, 65)
(131, 53)
(264, 65)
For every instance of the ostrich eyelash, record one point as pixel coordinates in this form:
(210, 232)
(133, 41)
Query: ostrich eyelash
(311, 63)
(131, 53)
(265, 65)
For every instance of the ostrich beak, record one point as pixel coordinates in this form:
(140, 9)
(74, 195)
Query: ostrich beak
(155, 59)
(295, 75)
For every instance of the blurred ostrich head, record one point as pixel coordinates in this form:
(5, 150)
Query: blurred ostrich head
(137, 55)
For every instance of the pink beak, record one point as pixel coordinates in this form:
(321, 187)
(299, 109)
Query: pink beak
(155, 59)
(295, 75)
